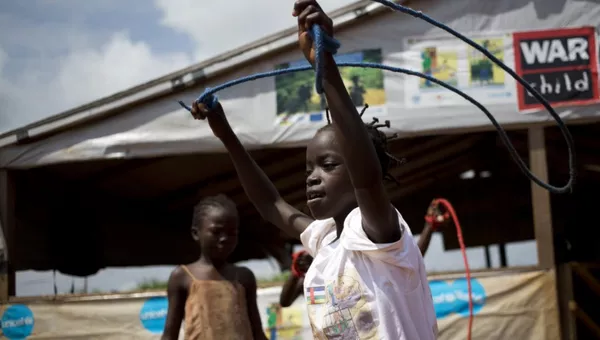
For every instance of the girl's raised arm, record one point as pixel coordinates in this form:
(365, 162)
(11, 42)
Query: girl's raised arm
(379, 218)
(259, 189)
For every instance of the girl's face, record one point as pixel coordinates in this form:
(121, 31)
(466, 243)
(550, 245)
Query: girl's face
(329, 191)
(218, 233)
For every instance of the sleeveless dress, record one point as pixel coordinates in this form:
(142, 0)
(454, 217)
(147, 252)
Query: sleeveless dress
(216, 309)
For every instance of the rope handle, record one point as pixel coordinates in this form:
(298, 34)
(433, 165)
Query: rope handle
(296, 271)
(323, 42)
(436, 220)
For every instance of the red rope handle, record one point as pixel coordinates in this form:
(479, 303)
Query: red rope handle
(436, 220)
(297, 272)
(463, 250)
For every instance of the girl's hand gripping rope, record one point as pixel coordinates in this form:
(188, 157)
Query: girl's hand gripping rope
(309, 13)
(216, 118)
(435, 217)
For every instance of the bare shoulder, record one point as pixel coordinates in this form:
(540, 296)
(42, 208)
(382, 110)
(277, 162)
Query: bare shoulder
(179, 273)
(246, 277)
(179, 278)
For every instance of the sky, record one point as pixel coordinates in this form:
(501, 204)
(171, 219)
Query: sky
(56, 55)
(59, 54)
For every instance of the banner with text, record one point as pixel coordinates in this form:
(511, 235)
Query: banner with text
(506, 306)
(561, 64)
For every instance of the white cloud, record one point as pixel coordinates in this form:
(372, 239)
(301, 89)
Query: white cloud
(121, 63)
(218, 26)
(53, 65)
(81, 76)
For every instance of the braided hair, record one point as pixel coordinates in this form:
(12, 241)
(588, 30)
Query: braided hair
(380, 141)
(219, 201)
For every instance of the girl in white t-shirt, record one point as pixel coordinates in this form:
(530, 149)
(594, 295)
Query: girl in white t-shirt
(367, 279)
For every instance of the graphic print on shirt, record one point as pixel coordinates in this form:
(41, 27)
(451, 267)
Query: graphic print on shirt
(341, 310)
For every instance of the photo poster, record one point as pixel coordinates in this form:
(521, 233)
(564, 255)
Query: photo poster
(285, 323)
(456, 63)
(298, 101)
(282, 323)
(561, 64)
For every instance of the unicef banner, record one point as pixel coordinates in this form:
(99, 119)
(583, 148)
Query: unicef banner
(507, 306)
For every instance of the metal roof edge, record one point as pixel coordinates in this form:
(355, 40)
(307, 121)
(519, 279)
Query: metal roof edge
(181, 79)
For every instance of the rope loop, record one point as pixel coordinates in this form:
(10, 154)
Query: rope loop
(324, 43)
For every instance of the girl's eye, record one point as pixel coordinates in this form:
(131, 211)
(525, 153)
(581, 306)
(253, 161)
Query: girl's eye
(329, 166)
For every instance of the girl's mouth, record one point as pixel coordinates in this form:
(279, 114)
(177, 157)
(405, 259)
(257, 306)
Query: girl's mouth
(314, 195)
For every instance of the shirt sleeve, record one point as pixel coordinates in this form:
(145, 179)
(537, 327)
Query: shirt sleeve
(312, 237)
(402, 253)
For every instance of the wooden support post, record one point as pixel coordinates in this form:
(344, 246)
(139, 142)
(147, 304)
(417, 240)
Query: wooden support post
(540, 199)
(502, 253)
(564, 287)
(4, 284)
(544, 234)
(488, 258)
(7, 215)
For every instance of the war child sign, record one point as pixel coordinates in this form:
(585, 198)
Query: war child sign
(561, 64)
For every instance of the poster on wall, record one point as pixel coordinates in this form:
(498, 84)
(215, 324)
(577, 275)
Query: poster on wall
(298, 101)
(460, 65)
(289, 323)
(285, 323)
(561, 64)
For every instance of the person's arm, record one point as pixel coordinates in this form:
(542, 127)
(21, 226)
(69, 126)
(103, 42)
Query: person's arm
(177, 295)
(425, 238)
(291, 290)
(434, 219)
(259, 189)
(249, 282)
(379, 218)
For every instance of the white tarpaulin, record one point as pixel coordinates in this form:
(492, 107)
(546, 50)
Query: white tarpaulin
(265, 112)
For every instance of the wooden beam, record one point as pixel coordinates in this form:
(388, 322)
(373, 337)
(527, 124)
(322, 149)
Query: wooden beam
(564, 288)
(581, 315)
(540, 199)
(7, 215)
(542, 228)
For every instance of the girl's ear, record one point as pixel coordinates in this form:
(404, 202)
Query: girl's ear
(195, 233)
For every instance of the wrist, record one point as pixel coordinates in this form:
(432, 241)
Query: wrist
(329, 65)
(430, 222)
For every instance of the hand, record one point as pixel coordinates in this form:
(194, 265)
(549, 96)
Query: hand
(310, 13)
(216, 118)
(304, 261)
(435, 214)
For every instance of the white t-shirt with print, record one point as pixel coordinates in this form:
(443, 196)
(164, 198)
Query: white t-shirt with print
(356, 289)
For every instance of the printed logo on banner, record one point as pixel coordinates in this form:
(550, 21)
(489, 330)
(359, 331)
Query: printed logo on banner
(453, 297)
(560, 64)
(17, 322)
(153, 314)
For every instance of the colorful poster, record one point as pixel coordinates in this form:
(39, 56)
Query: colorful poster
(297, 100)
(460, 65)
(482, 71)
(561, 64)
(284, 323)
